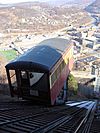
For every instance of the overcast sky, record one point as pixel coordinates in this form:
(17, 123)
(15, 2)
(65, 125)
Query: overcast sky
(17, 1)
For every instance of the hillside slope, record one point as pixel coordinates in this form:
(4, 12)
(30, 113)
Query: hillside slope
(39, 17)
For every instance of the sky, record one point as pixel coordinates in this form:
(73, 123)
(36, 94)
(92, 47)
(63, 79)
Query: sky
(17, 1)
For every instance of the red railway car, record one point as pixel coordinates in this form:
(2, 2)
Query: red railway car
(41, 72)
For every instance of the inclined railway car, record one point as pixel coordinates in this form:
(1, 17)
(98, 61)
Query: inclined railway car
(40, 74)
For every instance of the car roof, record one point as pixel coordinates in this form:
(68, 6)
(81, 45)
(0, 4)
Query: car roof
(43, 56)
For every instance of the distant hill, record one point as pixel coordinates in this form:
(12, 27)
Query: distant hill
(94, 7)
(39, 17)
(79, 3)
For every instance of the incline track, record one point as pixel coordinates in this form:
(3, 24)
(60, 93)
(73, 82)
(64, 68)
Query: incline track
(23, 117)
(95, 127)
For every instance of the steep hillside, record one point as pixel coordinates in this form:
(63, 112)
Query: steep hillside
(39, 17)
